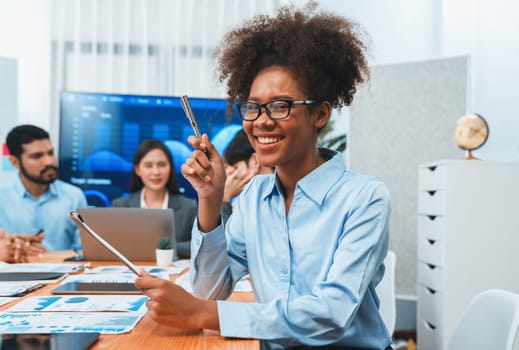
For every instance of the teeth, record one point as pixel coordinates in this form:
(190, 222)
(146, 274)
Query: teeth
(268, 139)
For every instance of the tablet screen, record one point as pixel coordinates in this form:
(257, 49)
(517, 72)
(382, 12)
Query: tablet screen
(96, 288)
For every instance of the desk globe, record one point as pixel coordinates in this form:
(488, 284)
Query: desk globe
(471, 133)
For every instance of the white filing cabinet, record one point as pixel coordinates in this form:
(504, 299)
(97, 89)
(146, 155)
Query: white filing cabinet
(468, 240)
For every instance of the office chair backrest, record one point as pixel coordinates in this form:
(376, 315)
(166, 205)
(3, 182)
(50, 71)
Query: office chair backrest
(386, 293)
(490, 321)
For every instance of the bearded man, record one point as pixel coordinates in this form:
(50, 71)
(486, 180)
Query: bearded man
(36, 203)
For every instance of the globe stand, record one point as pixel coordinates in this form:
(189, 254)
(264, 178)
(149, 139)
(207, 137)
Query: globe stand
(470, 133)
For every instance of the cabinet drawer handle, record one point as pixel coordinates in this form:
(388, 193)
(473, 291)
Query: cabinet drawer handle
(432, 267)
(431, 193)
(431, 241)
(430, 325)
(431, 217)
(430, 290)
(432, 168)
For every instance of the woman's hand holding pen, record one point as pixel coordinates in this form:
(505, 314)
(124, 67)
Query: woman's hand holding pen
(171, 305)
(204, 169)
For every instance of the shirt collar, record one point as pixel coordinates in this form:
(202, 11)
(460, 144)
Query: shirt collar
(22, 191)
(164, 203)
(312, 184)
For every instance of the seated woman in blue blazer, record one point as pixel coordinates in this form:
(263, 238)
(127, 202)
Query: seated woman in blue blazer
(154, 185)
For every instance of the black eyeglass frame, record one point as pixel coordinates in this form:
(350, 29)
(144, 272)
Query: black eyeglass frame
(264, 106)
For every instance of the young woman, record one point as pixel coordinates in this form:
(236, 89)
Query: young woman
(154, 185)
(313, 235)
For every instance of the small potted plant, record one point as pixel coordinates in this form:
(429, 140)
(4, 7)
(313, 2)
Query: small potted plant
(164, 252)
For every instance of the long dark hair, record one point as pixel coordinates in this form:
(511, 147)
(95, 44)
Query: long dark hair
(144, 148)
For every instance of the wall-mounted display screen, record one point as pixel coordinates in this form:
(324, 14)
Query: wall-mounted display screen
(99, 134)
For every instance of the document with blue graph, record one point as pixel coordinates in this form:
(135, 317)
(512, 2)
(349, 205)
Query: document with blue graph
(106, 314)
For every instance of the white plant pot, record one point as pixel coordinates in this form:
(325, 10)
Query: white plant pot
(164, 257)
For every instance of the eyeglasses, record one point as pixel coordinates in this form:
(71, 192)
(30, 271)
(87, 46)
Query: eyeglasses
(275, 109)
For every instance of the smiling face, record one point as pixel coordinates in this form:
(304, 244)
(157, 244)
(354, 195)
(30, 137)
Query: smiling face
(288, 144)
(154, 169)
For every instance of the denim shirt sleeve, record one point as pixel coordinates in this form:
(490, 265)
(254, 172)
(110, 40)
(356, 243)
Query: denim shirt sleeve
(328, 295)
(211, 274)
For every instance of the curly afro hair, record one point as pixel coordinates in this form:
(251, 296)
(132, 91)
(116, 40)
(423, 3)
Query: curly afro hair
(323, 51)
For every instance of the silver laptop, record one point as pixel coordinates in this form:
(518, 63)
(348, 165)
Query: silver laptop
(135, 232)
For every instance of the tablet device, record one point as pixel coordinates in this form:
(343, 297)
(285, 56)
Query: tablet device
(58, 341)
(81, 222)
(77, 287)
(30, 276)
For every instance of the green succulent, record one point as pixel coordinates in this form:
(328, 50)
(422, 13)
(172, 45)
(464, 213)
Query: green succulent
(164, 243)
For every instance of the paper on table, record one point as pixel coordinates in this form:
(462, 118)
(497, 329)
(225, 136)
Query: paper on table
(183, 263)
(69, 322)
(82, 303)
(16, 288)
(85, 318)
(41, 267)
(5, 300)
(242, 285)
(154, 270)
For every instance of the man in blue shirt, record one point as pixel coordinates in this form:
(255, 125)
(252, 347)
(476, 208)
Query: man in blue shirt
(36, 202)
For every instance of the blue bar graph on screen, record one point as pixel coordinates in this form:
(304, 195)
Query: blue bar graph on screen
(77, 152)
(102, 135)
(160, 131)
(131, 133)
(99, 134)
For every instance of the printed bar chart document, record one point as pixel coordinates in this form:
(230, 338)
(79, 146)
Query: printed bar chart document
(70, 314)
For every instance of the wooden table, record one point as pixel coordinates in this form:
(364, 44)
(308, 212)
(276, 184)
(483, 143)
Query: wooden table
(150, 335)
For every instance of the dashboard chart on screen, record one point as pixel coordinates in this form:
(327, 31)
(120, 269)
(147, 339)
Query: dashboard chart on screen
(99, 134)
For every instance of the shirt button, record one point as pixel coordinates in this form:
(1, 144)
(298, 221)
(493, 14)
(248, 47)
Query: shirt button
(284, 272)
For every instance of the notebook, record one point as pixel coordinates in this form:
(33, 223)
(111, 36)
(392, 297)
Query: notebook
(135, 232)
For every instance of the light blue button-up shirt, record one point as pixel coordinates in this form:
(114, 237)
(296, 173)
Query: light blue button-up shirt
(314, 271)
(21, 213)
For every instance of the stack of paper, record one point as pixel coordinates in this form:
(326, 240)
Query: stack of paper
(42, 267)
(18, 288)
(110, 314)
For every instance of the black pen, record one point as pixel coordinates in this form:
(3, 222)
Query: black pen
(186, 106)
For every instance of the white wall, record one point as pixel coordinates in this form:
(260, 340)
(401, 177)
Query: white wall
(25, 36)
(8, 110)
(486, 30)
(401, 30)
(489, 31)
(8, 95)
